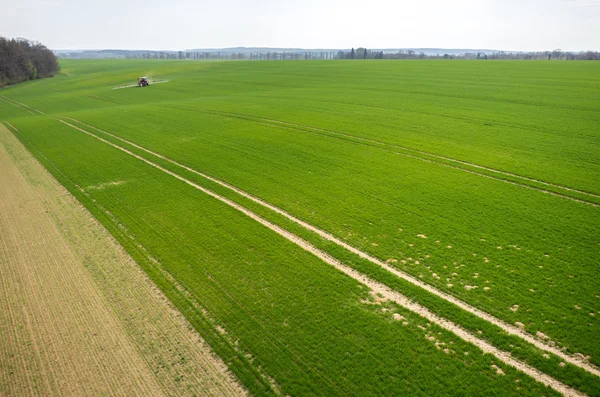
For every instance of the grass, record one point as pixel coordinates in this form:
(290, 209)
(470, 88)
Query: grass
(531, 119)
(520, 349)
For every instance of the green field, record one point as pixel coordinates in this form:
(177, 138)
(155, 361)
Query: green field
(477, 178)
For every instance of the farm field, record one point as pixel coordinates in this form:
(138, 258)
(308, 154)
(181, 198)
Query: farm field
(77, 316)
(266, 199)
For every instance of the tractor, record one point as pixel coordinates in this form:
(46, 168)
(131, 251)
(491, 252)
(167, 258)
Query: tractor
(143, 82)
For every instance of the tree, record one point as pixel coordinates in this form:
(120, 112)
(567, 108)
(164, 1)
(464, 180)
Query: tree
(352, 54)
(556, 54)
(22, 60)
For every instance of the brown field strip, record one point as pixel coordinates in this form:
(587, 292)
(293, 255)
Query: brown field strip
(77, 314)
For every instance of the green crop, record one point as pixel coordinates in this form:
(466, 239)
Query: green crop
(479, 178)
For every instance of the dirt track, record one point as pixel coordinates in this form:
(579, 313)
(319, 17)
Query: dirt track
(77, 314)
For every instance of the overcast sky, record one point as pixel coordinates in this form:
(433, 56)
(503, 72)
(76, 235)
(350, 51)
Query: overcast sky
(184, 24)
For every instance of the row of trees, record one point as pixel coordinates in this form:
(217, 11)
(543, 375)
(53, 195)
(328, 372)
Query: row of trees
(22, 60)
(556, 54)
(363, 53)
(218, 55)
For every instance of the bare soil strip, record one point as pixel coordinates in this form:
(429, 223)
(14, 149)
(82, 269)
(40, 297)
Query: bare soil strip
(509, 328)
(77, 314)
(377, 287)
(302, 127)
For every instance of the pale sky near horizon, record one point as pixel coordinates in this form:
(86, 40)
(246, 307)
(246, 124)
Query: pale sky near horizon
(184, 24)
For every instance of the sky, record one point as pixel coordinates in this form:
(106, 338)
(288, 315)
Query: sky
(517, 25)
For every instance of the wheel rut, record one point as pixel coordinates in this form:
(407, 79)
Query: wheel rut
(376, 286)
(509, 328)
(417, 154)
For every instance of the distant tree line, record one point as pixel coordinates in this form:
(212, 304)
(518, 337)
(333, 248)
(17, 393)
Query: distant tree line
(217, 55)
(358, 53)
(22, 60)
(363, 53)
(556, 54)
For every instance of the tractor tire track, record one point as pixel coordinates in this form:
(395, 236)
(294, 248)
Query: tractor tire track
(430, 157)
(23, 106)
(376, 286)
(433, 158)
(14, 104)
(102, 99)
(12, 126)
(509, 328)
